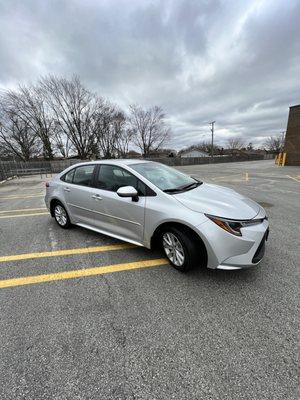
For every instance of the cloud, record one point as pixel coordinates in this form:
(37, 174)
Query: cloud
(236, 62)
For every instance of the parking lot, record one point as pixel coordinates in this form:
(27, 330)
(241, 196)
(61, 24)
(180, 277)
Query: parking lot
(85, 316)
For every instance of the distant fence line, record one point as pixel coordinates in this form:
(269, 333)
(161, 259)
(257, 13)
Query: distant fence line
(18, 168)
(10, 169)
(178, 161)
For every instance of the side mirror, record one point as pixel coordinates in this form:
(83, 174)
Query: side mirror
(128, 191)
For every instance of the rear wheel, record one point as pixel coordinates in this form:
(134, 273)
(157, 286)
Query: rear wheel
(61, 216)
(180, 249)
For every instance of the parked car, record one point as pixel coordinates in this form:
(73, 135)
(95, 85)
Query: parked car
(150, 204)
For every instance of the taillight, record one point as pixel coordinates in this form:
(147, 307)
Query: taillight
(47, 184)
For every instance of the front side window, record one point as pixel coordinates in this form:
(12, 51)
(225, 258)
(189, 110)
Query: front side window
(111, 177)
(83, 175)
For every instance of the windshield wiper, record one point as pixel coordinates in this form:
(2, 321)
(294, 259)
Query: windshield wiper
(192, 185)
(174, 190)
(183, 188)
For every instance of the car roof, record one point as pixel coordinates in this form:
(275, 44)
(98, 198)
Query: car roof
(119, 161)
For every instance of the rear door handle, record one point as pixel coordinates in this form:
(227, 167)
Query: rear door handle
(67, 190)
(96, 197)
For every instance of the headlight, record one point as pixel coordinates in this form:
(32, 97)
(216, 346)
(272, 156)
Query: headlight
(233, 226)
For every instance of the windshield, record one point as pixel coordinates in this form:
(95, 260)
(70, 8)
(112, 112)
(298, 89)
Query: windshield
(165, 178)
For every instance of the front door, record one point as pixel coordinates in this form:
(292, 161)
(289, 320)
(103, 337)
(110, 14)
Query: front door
(119, 216)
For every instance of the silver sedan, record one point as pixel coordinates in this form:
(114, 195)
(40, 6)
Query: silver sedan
(150, 204)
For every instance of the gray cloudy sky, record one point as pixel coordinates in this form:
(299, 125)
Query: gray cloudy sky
(236, 62)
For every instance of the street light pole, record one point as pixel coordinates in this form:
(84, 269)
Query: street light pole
(212, 138)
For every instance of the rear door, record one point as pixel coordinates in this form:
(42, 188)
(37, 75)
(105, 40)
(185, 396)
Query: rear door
(119, 216)
(78, 194)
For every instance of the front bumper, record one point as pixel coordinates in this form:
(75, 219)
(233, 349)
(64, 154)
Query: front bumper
(230, 252)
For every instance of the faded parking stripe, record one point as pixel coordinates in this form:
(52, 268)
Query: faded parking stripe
(22, 197)
(23, 215)
(67, 252)
(81, 273)
(294, 178)
(22, 209)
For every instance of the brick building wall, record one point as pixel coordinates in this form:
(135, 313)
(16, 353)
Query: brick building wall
(292, 138)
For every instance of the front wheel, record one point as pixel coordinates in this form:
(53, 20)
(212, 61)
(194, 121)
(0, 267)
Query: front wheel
(179, 248)
(61, 216)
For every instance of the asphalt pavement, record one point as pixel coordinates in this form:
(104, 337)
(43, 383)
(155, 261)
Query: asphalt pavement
(143, 330)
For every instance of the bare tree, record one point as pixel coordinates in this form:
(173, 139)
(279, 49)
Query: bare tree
(60, 115)
(123, 134)
(75, 110)
(28, 104)
(148, 127)
(204, 146)
(17, 138)
(62, 142)
(123, 140)
(105, 129)
(235, 144)
(3, 152)
(275, 143)
(112, 132)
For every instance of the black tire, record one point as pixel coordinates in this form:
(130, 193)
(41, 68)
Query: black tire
(188, 244)
(62, 220)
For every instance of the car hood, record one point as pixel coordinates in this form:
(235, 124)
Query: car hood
(219, 201)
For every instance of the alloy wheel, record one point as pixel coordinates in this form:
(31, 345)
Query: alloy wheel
(60, 215)
(173, 249)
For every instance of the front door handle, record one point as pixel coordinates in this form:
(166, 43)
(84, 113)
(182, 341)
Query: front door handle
(67, 190)
(96, 197)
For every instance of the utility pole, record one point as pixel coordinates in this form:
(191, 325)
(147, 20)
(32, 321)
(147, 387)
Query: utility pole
(212, 138)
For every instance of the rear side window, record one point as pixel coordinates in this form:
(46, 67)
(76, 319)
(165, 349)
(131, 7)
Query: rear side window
(83, 175)
(68, 177)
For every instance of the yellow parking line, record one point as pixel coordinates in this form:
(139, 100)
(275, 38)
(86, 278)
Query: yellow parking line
(21, 197)
(22, 209)
(295, 179)
(29, 280)
(23, 215)
(219, 177)
(67, 252)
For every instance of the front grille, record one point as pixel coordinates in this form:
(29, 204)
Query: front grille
(261, 249)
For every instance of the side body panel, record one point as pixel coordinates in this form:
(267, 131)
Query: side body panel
(79, 202)
(118, 215)
(165, 208)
